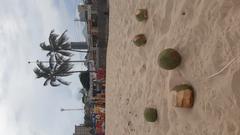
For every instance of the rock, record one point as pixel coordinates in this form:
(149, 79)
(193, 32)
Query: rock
(150, 114)
(140, 40)
(141, 14)
(182, 96)
(169, 59)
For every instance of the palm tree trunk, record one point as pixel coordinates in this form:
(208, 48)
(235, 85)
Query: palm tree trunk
(91, 71)
(73, 61)
(79, 51)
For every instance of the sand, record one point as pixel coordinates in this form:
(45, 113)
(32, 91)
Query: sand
(207, 35)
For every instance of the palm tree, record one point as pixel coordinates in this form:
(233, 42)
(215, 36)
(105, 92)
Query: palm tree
(44, 61)
(54, 72)
(59, 45)
(58, 48)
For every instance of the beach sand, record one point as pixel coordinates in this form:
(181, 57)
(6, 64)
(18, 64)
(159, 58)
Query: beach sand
(207, 35)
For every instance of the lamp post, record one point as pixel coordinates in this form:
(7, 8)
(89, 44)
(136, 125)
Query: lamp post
(78, 109)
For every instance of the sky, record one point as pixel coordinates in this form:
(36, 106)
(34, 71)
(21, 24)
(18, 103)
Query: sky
(26, 106)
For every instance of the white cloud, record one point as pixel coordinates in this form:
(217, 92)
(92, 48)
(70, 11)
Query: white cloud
(26, 107)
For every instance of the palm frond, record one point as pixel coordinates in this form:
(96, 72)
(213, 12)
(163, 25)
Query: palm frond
(63, 82)
(52, 31)
(38, 73)
(66, 46)
(54, 83)
(43, 67)
(53, 36)
(53, 39)
(62, 39)
(49, 53)
(65, 53)
(46, 81)
(60, 58)
(65, 67)
(45, 47)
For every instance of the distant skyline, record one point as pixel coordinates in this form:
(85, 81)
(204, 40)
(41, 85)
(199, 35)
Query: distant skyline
(26, 107)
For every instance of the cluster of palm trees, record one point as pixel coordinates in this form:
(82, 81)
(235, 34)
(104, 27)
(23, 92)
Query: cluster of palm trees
(59, 64)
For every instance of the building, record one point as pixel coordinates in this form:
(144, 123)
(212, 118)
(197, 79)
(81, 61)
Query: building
(95, 14)
(82, 130)
(79, 45)
(82, 10)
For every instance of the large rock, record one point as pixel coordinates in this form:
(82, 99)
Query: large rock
(182, 96)
(169, 59)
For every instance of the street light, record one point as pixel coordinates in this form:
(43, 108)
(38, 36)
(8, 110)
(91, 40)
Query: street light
(78, 109)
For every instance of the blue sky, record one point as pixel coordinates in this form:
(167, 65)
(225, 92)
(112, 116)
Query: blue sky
(26, 107)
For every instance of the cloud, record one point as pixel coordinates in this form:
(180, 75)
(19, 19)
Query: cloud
(26, 107)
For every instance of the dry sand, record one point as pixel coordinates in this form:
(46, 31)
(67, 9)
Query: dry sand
(207, 37)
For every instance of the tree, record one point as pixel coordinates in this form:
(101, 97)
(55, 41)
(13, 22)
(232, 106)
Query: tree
(88, 120)
(58, 44)
(83, 91)
(59, 61)
(54, 72)
(85, 79)
(84, 99)
(92, 132)
(58, 47)
(88, 123)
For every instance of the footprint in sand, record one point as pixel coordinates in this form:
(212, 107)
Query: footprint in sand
(130, 126)
(143, 68)
(127, 101)
(230, 128)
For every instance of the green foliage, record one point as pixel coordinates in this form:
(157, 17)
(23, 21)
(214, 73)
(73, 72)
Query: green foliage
(141, 15)
(84, 99)
(88, 120)
(85, 79)
(169, 59)
(150, 114)
(88, 123)
(183, 87)
(140, 40)
(87, 117)
(92, 132)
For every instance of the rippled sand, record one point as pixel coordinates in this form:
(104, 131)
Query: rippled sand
(207, 35)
